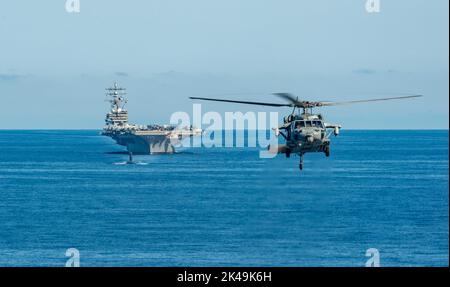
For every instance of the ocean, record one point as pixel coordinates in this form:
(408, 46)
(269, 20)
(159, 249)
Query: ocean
(224, 206)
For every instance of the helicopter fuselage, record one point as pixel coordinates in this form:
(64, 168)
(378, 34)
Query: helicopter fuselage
(306, 133)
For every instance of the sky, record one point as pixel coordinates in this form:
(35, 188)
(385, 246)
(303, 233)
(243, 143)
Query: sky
(54, 65)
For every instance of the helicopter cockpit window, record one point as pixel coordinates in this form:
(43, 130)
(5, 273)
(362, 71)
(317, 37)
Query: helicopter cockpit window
(317, 124)
(308, 124)
(299, 124)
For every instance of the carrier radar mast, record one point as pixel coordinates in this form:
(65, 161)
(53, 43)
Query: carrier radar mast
(117, 116)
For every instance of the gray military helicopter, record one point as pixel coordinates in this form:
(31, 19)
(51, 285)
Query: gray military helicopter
(304, 131)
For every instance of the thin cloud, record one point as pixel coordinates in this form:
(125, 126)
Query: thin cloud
(365, 71)
(368, 71)
(10, 77)
(121, 74)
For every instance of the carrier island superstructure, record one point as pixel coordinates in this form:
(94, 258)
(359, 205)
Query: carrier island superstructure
(140, 139)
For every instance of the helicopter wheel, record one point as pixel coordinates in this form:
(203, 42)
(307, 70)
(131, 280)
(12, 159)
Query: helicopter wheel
(327, 151)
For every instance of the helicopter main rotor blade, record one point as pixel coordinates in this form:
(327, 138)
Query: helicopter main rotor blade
(242, 102)
(322, 104)
(288, 97)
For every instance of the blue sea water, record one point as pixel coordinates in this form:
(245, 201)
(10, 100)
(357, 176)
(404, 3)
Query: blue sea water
(224, 206)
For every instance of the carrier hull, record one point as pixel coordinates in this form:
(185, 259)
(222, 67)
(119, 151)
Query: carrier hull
(145, 144)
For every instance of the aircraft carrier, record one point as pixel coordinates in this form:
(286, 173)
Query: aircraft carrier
(141, 139)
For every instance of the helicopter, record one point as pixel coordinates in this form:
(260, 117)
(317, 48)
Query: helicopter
(303, 130)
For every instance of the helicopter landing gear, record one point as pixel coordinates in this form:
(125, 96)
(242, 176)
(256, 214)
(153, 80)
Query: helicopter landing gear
(301, 162)
(326, 149)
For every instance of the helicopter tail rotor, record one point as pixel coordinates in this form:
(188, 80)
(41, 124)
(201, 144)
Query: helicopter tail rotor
(281, 148)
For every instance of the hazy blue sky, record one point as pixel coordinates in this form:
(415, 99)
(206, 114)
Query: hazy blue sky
(54, 66)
